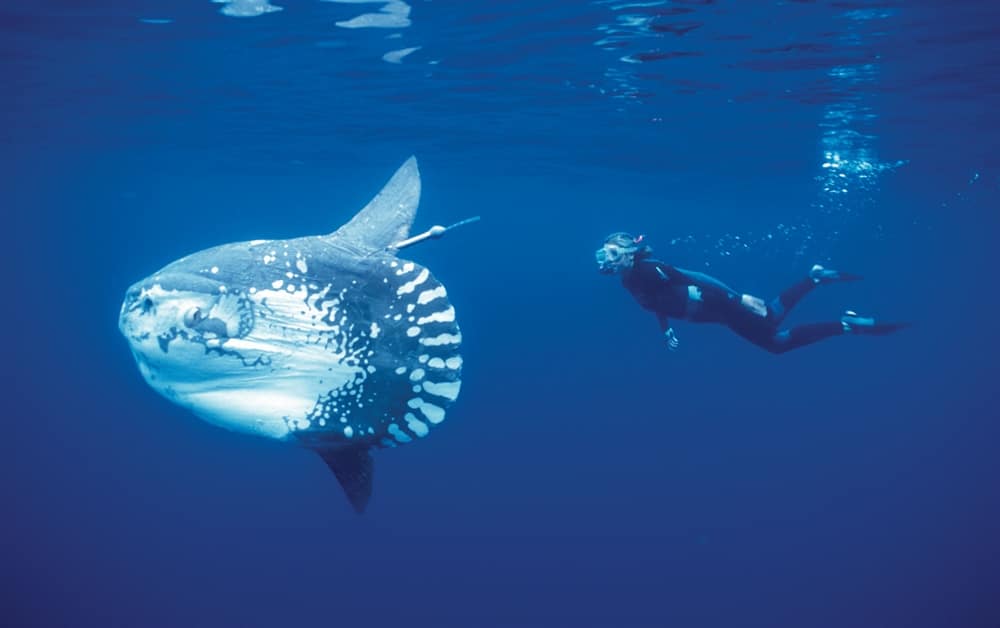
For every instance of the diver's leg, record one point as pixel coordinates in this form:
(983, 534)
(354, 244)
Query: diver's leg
(788, 299)
(761, 333)
(780, 307)
(802, 335)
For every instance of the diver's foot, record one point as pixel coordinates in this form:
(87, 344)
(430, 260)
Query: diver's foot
(855, 324)
(819, 274)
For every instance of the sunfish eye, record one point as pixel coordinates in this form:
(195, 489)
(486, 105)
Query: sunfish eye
(147, 305)
(193, 317)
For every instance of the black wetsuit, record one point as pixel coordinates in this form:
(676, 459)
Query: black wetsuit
(671, 292)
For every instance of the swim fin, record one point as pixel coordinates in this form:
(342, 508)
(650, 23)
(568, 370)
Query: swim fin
(821, 275)
(855, 324)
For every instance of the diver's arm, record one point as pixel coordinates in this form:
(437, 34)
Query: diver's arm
(663, 321)
(701, 280)
(661, 272)
(664, 272)
(668, 332)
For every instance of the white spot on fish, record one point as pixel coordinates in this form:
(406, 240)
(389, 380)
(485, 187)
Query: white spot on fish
(410, 286)
(374, 330)
(448, 390)
(416, 426)
(215, 270)
(400, 370)
(301, 265)
(412, 331)
(429, 295)
(443, 339)
(416, 375)
(434, 414)
(454, 363)
(268, 259)
(446, 316)
(423, 358)
(398, 434)
(348, 431)
(277, 283)
(436, 363)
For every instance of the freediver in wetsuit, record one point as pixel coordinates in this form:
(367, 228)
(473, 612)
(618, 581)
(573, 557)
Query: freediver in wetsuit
(671, 292)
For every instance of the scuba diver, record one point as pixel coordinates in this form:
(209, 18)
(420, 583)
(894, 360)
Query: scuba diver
(671, 292)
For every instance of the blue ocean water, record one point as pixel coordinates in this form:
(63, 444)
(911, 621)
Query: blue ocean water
(586, 476)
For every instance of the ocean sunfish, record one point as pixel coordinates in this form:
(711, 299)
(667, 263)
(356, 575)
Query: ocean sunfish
(331, 342)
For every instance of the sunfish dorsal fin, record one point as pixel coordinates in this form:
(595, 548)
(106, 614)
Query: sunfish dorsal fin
(386, 219)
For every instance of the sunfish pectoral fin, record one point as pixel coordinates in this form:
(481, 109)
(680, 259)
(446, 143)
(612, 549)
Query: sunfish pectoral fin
(353, 468)
(387, 217)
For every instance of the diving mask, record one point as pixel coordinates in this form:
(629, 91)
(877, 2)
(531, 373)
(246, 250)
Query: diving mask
(612, 258)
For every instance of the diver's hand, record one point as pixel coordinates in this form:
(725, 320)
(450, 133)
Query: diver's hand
(672, 341)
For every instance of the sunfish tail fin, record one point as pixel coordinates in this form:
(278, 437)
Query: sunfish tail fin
(354, 469)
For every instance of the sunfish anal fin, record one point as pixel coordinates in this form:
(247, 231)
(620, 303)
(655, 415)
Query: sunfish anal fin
(353, 468)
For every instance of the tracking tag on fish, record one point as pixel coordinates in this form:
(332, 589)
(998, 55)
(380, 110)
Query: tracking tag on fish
(434, 233)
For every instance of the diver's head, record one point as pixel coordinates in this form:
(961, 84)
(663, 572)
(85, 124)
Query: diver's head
(618, 252)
